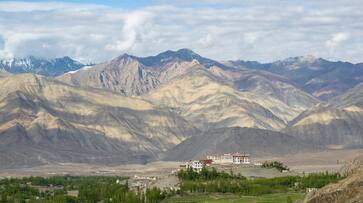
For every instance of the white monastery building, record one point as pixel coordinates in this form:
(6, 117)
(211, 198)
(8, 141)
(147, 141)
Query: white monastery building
(229, 158)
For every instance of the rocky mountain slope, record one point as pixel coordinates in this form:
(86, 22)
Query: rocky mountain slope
(224, 140)
(276, 93)
(166, 57)
(209, 101)
(131, 75)
(338, 124)
(349, 189)
(43, 120)
(255, 98)
(31, 64)
(322, 78)
(124, 75)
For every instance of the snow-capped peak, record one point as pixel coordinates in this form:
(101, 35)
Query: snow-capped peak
(81, 69)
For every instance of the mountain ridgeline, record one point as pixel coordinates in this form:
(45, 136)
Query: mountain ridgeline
(31, 64)
(173, 106)
(319, 77)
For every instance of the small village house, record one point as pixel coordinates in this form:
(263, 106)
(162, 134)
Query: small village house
(197, 165)
(206, 162)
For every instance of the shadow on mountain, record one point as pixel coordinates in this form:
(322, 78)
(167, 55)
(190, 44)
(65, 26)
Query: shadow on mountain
(256, 142)
(22, 148)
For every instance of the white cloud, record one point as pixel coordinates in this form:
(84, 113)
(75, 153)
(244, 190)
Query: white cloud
(133, 24)
(337, 39)
(255, 30)
(250, 37)
(206, 41)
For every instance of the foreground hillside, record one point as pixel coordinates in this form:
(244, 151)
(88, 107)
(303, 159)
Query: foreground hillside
(43, 120)
(349, 189)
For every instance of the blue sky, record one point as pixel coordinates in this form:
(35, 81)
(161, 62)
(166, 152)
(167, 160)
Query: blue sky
(263, 30)
(133, 4)
(113, 3)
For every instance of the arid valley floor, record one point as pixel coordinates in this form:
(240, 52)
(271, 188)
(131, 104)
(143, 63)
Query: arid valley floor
(330, 160)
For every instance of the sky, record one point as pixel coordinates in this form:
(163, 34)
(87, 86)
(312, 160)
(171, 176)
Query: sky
(262, 30)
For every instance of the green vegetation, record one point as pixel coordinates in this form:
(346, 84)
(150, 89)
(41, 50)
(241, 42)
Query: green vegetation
(205, 186)
(221, 183)
(229, 198)
(90, 189)
(275, 164)
(206, 174)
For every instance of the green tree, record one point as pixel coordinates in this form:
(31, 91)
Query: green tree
(4, 197)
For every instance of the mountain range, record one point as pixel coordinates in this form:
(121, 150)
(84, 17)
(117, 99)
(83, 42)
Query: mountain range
(43, 120)
(337, 124)
(322, 78)
(31, 64)
(176, 105)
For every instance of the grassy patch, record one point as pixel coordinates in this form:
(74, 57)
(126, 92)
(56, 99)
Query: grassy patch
(224, 198)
